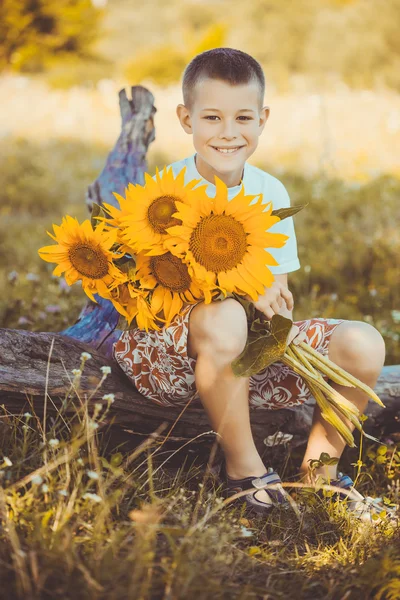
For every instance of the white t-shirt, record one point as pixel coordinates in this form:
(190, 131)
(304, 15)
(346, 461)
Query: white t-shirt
(256, 182)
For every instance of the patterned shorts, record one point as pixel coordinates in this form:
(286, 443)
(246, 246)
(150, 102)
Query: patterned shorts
(161, 370)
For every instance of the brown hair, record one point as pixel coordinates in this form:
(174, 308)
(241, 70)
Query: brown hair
(227, 64)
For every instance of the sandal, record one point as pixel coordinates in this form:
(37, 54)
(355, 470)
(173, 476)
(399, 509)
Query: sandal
(277, 497)
(364, 508)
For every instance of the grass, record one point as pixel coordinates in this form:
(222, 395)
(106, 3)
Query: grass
(85, 517)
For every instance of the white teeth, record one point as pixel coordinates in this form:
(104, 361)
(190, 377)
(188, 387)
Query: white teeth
(227, 150)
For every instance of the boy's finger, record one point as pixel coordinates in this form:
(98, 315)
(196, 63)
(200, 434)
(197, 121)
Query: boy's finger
(302, 337)
(268, 312)
(275, 307)
(292, 334)
(288, 297)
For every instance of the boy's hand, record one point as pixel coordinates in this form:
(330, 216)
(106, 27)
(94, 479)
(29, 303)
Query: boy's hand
(271, 302)
(296, 336)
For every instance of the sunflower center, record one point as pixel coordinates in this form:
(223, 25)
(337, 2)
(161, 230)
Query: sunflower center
(89, 261)
(218, 243)
(170, 272)
(160, 211)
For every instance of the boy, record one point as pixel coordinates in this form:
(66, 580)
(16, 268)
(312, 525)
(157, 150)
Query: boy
(223, 92)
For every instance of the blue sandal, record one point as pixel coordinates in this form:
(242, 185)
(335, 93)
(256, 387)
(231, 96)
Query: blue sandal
(362, 507)
(278, 497)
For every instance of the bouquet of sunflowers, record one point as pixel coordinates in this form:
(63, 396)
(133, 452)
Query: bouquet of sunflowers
(170, 244)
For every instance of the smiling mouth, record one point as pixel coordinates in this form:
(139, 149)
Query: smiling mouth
(230, 150)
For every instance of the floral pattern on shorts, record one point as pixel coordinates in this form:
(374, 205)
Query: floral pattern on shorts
(158, 365)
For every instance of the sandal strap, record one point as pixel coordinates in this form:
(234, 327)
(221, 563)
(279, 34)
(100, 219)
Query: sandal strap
(365, 506)
(278, 496)
(344, 481)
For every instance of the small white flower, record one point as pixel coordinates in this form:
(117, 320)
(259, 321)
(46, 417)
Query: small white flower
(27, 415)
(13, 276)
(25, 427)
(92, 474)
(109, 398)
(79, 461)
(105, 370)
(98, 406)
(307, 268)
(37, 479)
(86, 356)
(93, 425)
(54, 442)
(45, 488)
(32, 277)
(76, 372)
(7, 461)
(94, 497)
(246, 532)
(62, 493)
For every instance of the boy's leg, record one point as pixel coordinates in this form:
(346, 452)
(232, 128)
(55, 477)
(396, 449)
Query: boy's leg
(217, 335)
(358, 348)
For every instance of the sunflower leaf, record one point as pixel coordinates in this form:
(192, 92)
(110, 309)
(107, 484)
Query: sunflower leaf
(260, 326)
(97, 211)
(247, 305)
(284, 213)
(263, 347)
(128, 266)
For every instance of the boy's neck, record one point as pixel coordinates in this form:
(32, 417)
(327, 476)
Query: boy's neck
(208, 173)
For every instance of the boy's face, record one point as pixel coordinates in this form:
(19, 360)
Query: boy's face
(226, 122)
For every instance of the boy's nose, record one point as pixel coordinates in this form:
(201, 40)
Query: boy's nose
(228, 131)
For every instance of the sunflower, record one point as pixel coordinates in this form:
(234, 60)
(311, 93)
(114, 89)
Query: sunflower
(223, 241)
(169, 279)
(147, 210)
(117, 214)
(83, 253)
(131, 302)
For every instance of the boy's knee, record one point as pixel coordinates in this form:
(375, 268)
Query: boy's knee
(220, 326)
(361, 346)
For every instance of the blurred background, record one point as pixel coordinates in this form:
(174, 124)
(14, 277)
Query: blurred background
(333, 80)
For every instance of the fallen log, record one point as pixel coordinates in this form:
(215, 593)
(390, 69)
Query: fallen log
(32, 363)
(35, 364)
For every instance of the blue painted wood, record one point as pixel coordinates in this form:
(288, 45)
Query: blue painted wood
(126, 163)
(96, 325)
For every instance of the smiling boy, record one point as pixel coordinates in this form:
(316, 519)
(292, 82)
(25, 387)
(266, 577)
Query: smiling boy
(224, 112)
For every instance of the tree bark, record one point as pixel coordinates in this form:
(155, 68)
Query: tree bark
(126, 163)
(27, 357)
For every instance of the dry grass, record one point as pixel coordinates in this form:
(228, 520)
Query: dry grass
(82, 518)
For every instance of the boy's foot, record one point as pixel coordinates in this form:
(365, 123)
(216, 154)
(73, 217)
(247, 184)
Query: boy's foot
(364, 508)
(261, 500)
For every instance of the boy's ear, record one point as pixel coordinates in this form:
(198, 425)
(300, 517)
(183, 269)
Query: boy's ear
(184, 118)
(264, 114)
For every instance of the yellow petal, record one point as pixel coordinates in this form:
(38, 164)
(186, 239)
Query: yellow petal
(157, 299)
(221, 196)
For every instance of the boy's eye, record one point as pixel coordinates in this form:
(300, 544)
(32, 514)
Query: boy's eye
(213, 117)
